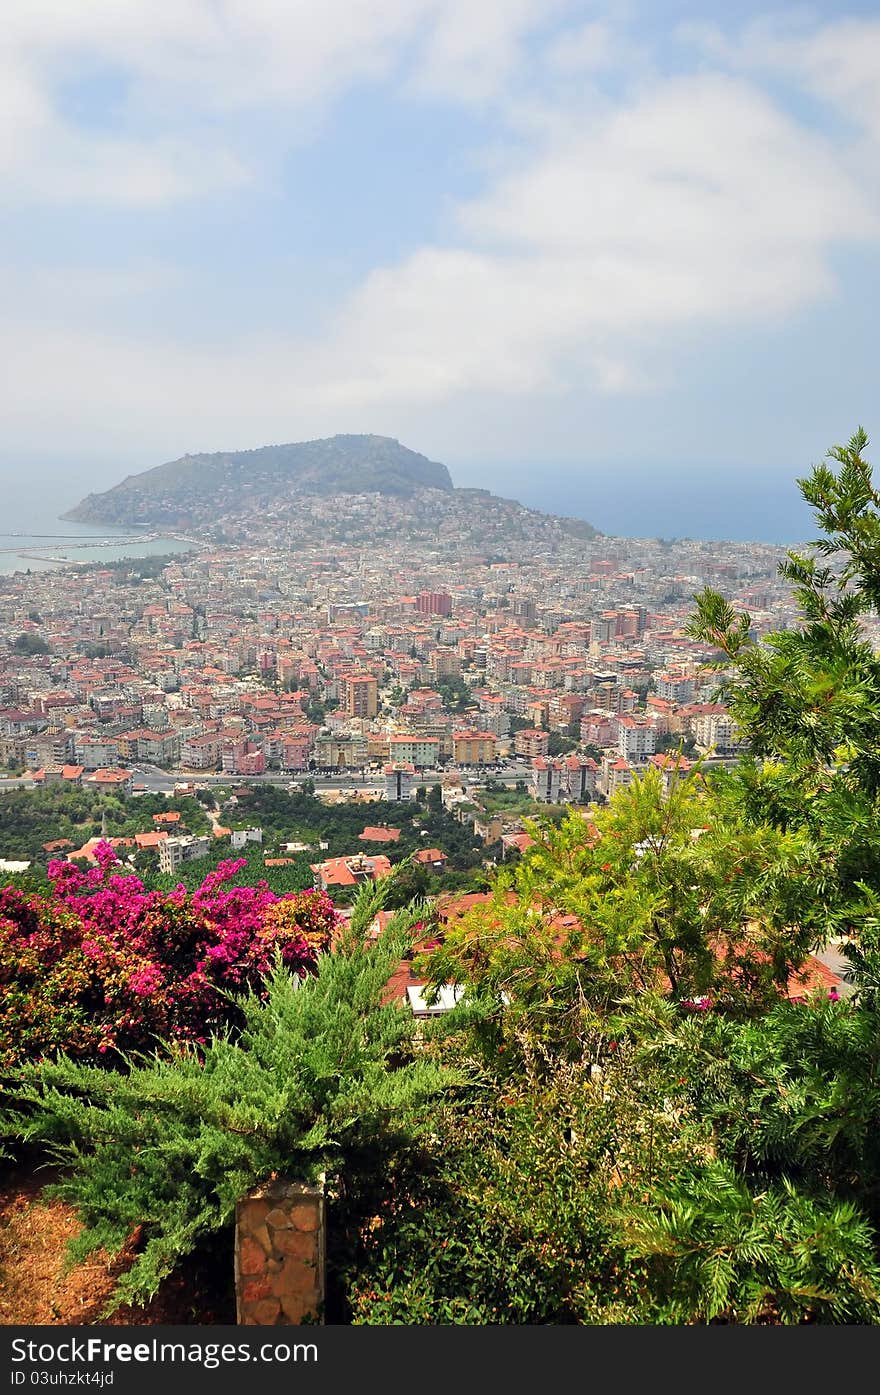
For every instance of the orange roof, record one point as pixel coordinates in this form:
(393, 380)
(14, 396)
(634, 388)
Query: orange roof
(150, 840)
(171, 816)
(334, 872)
(337, 871)
(517, 840)
(380, 834)
(430, 855)
(814, 976)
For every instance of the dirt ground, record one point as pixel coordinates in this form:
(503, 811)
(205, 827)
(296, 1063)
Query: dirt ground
(33, 1290)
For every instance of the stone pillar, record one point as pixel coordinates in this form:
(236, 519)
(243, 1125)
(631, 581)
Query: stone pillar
(279, 1255)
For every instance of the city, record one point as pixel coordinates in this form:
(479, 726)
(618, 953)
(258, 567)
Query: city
(569, 674)
(439, 687)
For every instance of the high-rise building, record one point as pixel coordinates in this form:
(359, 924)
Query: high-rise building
(400, 780)
(361, 695)
(473, 748)
(434, 603)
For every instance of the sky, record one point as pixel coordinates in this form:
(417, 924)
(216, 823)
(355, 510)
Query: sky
(615, 259)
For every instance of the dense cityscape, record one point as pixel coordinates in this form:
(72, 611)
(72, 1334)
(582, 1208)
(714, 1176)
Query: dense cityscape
(437, 890)
(377, 669)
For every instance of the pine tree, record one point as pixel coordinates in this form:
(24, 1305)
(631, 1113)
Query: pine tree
(321, 1070)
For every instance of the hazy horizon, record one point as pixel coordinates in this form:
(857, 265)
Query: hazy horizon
(633, 501)
(561, 236)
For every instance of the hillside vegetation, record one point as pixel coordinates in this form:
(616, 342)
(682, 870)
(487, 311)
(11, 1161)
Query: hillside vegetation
(231, 494)
(650, 1107)
(338, 465)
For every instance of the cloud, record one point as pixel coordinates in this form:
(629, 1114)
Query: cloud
(837, 62)
(583, 49)
(473, 51)
(185, 66)
(611, 218)
(696, 204)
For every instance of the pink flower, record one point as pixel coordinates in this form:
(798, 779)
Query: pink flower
(146, 981)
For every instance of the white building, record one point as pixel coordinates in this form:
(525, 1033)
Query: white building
(174, 851)
(242, 836)
(635, 741)
(546, 779)
(400, 782)
(717, 731)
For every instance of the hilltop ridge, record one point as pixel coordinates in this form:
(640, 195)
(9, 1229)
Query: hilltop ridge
(214, 494)
(170, 494)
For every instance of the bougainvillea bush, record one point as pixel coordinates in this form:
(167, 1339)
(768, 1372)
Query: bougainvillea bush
(101, 967)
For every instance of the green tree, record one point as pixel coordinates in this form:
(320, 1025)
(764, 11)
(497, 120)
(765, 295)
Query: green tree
(559, 745)
(30, 644)
(806, 698)
(677, 893)
(322, 1073)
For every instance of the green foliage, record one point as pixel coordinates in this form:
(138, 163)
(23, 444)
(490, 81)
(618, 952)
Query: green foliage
(320, 1071)
(456, 693)
(566, 1192)
(30, 818)
(677, 893)
(717, 1252)
(626, 1120)
(298, 816)
(806, 698)
(30, 644)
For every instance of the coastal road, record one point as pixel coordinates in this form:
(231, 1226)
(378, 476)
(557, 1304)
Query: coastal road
(159, 781)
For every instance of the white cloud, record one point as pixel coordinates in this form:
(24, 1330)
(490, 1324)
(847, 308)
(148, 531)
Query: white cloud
(186, 65)
(584, 49)
(474, 50)
(837, 62)
(689, 202)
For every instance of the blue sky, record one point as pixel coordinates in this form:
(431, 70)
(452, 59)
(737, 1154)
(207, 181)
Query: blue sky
(612, 252)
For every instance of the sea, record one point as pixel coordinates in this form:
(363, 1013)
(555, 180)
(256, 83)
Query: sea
(43, 543)
(735, 504)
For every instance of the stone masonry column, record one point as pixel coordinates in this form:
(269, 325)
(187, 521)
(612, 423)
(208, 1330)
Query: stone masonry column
(280, 1254)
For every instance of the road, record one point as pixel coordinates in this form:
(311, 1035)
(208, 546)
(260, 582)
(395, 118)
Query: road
(162, 781)
(159, 781)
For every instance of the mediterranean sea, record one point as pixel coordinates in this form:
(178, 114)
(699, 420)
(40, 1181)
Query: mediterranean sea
(40, 542)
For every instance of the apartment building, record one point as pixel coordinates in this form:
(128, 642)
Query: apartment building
(242, 756)
(545, 780)
(445, 663)
(411, 748)
(674, 686)
(615, 774)
(94, 753)
(473, 748)
(361, 695)
(186, 848)
(716, 731)
(400, 782)
(201, 752)
(635, 741)
(340, 753)
(531, 742)
(434, 603)
(578, 778)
